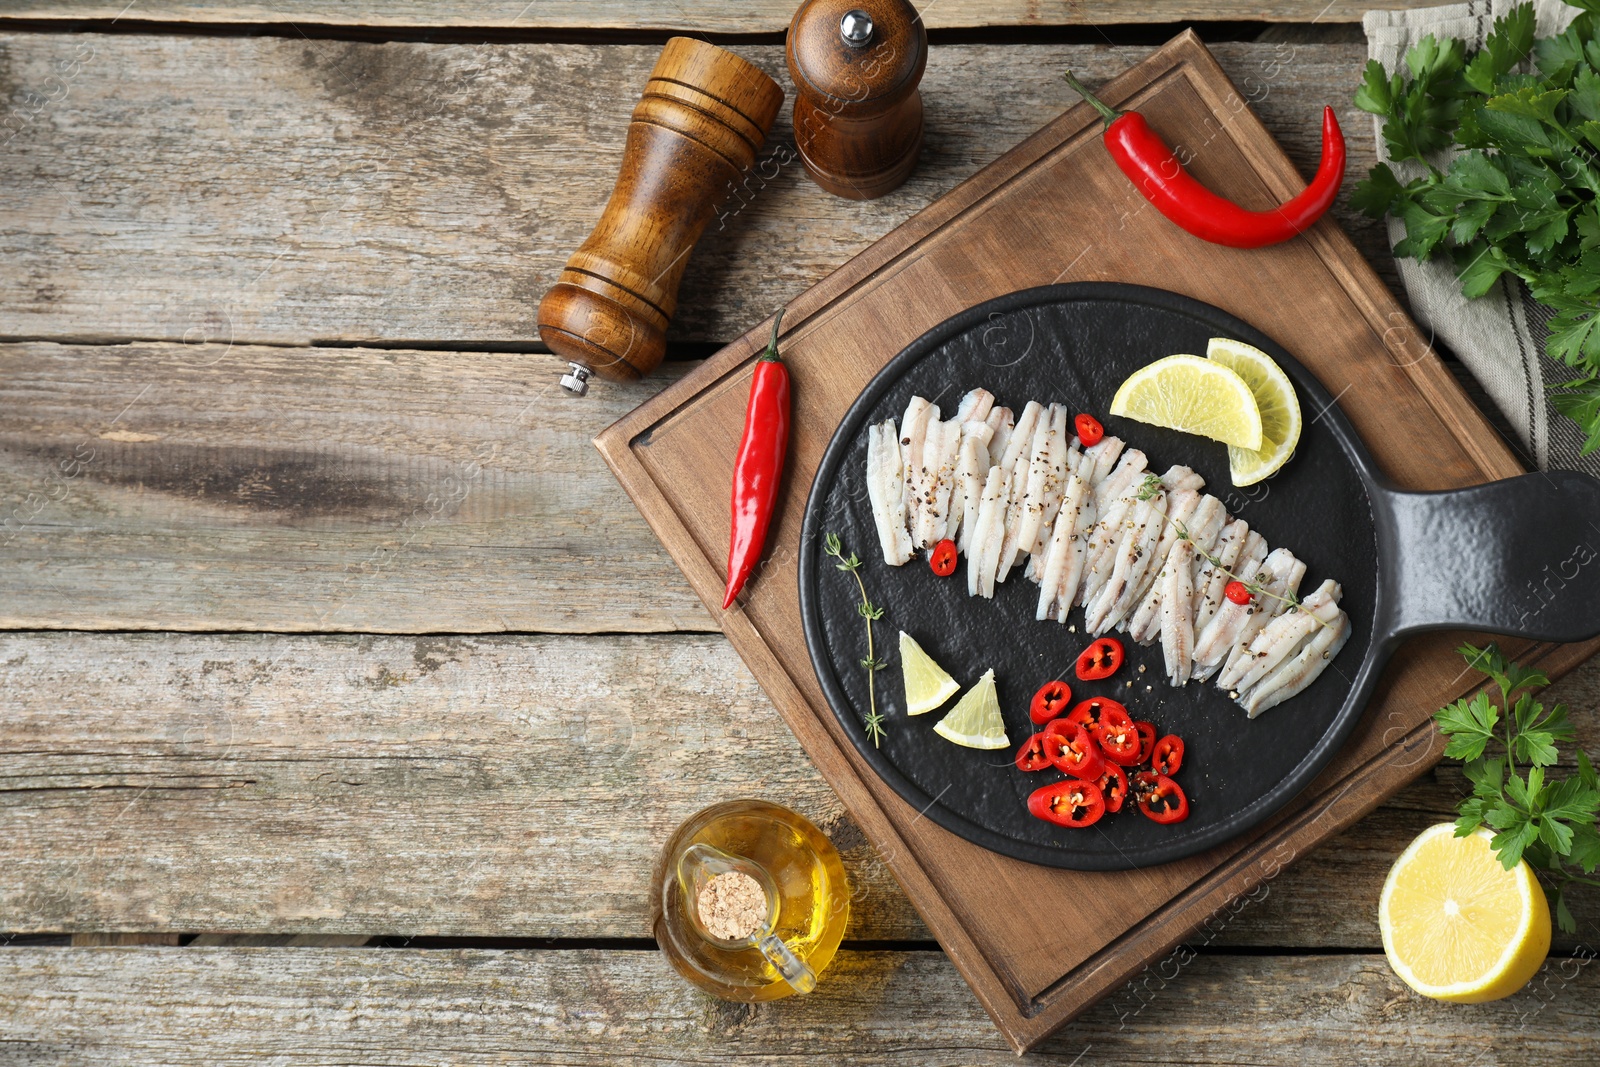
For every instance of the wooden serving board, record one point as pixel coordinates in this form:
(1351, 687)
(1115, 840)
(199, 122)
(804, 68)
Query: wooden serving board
(1039, 945)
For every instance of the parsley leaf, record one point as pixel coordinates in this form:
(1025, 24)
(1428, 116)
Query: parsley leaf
(1376, 193)
(1469, 724)
(1548, 822)
(1506, 46)
(1522, 195)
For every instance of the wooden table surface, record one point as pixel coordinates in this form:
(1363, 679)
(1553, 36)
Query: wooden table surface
(347, 699)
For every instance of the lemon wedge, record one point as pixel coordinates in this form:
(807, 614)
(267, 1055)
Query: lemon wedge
(1275, 399)
(927, 684)
(1458, 926)
(1193, 395)
(975, 720)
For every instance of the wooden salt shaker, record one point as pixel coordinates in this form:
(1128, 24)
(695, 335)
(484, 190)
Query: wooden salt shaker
(703, 117)
(857, 113)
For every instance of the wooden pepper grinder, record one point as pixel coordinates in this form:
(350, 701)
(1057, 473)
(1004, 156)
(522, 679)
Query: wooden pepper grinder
(858, 114)
(703, 117)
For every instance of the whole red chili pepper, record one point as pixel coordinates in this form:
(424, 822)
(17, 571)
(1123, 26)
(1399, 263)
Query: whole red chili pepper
(759, 467)
(1145, 158)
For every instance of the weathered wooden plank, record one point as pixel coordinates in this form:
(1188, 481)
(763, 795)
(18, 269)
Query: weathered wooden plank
(700, 16)
(365, 785)
(215, 487)
(210, 1007)
(484, 786)
(289, 190)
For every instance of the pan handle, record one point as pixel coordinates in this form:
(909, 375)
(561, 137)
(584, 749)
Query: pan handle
(1519, 557)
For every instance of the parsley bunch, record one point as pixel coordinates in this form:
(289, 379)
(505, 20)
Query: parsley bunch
(1548, 821)
(1521, 198)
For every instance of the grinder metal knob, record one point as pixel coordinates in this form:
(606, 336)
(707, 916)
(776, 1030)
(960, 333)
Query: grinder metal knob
(576, 380)
(856, 28)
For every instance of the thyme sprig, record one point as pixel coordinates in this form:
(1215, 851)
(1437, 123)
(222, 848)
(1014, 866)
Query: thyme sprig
(851, 565)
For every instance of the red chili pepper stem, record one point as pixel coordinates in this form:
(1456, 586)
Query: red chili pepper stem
(771, 354)
(1107, 112)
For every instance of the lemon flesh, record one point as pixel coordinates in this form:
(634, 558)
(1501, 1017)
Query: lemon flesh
(1193, 395)
(975, 720)
(1275, 399)
(927, 684)
(1458, 926)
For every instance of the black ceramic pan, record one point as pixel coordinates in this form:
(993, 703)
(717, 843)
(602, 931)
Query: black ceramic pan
(1517, 557)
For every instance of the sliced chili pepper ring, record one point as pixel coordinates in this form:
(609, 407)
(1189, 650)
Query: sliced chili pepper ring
(1113, 785)
(1090, 432)
(1032, 755)
(1071, 803)
(1089, 712)
(1049, 702)
(1147, 739)
(1073, 750)
(1160, 798)
(1101, 659)
(943, 558)
(1117, 736)
(1167, 756)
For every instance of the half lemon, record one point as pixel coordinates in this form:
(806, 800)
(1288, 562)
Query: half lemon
(1193, 395)
(927, 684)
(1458, 926)
(975, 720)
(1275, 399)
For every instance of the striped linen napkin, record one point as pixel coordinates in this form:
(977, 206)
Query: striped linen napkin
(1499, 336)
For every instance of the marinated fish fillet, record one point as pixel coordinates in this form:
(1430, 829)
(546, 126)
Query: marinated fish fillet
(886, 491)
(1235, 625)
(1022, 520)
(1276, 598)
(1177, 624)
(971, 415)
(1058, 581)
(972, 467)
(1203, 529)
(1129, 471)
(1118, 595)
(913, 436)
(1281, 638)
(1021, 438)
(1060, 460)
(1177, 514)
(1074, 453)
(1212, 577)
(1105, 455)
(974, 407)
(1293, 677)
(1212, 643)
(1001, 420)
(939, 451)
(1178, 477)
(989, 535)
(1100, 551)
(1064, 465)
